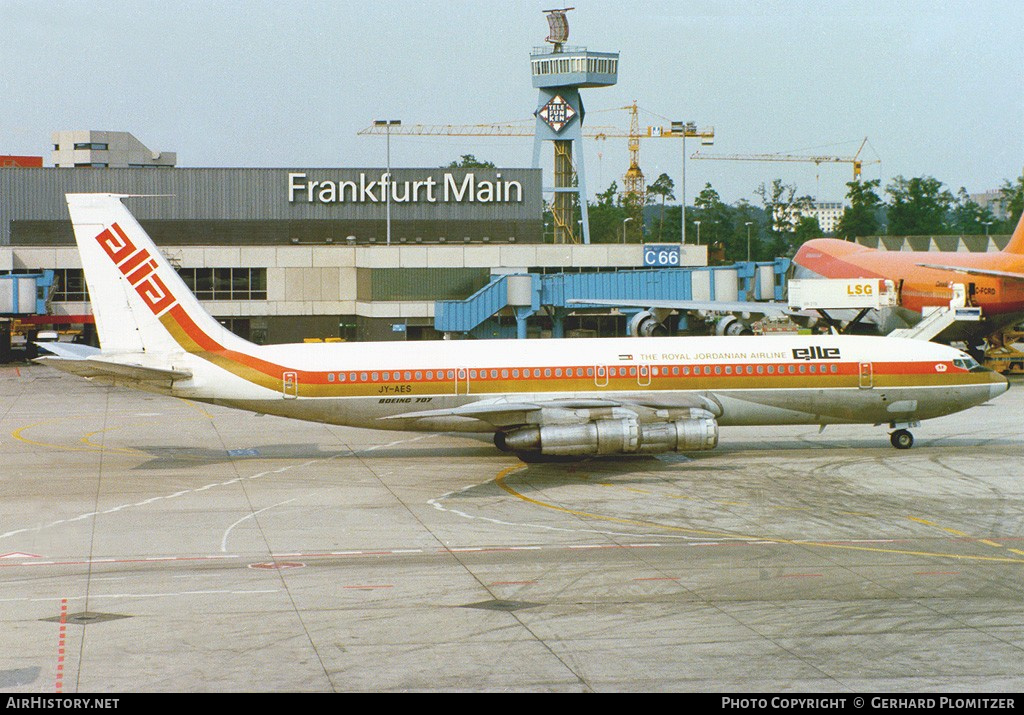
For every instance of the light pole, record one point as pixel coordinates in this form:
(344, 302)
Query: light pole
(748, 240)
(697, 224)
(986, 224)
(682, 190)
(387, 124)
(624, 222)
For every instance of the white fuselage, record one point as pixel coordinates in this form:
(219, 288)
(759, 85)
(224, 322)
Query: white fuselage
(741, 380)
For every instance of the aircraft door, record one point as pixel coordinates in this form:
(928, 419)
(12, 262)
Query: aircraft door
(461, 381)
(290, 385)
(600, 376)
(867, 377)
(643, 376)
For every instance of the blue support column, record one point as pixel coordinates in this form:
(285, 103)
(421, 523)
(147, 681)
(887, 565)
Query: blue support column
(522, 314)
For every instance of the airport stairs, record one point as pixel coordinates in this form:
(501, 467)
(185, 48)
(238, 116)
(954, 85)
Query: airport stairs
(938, 319)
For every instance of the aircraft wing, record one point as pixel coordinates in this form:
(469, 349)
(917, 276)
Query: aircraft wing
(716, 306)
(976, 271)
(87, 361)
(500, 413)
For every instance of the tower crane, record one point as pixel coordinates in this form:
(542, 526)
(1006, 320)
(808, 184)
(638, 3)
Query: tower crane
(817, 160)
(634, 179)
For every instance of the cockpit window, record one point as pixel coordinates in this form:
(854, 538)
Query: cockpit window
(966, 362)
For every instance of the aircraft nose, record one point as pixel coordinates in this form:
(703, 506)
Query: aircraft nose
(999, 387)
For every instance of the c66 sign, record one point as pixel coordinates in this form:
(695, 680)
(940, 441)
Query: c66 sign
(661, 255)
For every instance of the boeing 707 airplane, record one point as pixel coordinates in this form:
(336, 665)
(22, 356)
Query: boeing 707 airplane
(539, 398)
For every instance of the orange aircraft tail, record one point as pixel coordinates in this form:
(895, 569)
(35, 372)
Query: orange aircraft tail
(1016, 244)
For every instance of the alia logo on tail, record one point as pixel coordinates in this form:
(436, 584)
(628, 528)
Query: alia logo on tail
(138, 267)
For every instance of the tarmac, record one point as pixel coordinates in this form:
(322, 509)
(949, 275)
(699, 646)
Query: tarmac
(149, 544)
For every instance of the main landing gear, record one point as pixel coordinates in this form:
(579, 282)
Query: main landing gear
(902, 439)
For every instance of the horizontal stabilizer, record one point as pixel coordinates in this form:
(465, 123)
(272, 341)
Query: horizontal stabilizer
(72, 351)
(97, 367)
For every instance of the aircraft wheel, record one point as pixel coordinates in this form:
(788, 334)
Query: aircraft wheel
(902, 439)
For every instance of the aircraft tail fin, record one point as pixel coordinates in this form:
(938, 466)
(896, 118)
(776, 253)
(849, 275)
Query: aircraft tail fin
(1016, 244)
(138, 300)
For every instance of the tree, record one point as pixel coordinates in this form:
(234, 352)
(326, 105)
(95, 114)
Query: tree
(806, 228)
(1013, 202)
(968, 217)
(742, 240)
(663, 187)
(606, 216)
(469, 161)
(784, 211)
(918, 206)
(716, 218)
(860, 218)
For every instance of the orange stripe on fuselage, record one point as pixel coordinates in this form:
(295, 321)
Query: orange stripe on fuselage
(660, 377)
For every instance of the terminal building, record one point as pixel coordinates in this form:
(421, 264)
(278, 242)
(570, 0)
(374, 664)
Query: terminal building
(287, 254)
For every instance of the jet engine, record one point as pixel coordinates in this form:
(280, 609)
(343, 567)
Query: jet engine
(614, 436)
(646, 324)
(731, 325)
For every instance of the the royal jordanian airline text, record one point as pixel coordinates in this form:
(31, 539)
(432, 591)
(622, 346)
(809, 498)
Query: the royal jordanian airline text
(375, 190)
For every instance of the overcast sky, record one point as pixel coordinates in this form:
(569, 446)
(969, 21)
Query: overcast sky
(937, 87)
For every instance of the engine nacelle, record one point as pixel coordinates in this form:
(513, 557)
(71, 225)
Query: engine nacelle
(621, 436)
(646, 324)
(732, 326)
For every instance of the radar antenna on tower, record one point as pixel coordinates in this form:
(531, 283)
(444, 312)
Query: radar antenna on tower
(559, 26)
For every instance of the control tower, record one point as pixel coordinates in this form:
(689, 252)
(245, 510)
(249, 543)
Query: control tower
(559, 72)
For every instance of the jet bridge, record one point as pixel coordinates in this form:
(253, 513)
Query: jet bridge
(557, 295)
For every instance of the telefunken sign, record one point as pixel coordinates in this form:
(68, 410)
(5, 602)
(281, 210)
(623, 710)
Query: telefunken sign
(375, 190)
